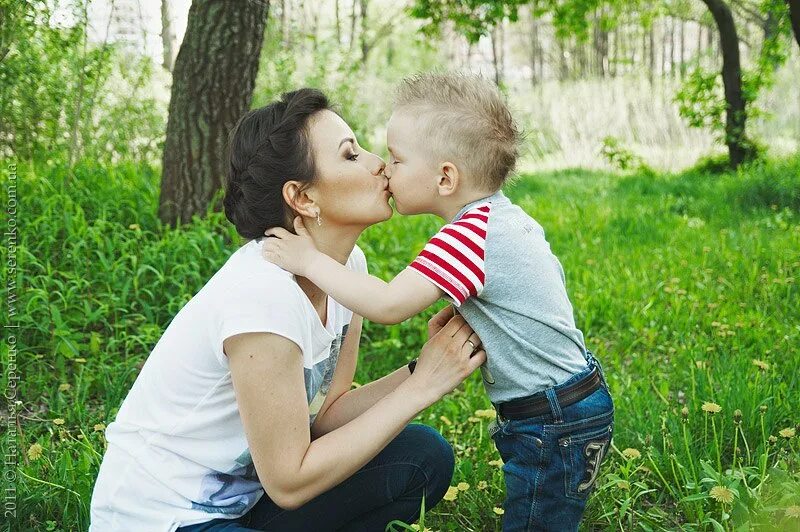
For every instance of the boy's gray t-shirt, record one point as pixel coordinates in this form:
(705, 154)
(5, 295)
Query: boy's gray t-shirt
(494, 263)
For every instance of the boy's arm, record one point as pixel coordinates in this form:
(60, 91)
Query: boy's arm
(406, 295)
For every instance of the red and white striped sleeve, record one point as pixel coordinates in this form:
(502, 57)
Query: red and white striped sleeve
(453, 259)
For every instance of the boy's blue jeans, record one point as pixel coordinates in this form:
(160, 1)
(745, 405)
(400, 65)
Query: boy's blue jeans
(418, 462)
(552, 461)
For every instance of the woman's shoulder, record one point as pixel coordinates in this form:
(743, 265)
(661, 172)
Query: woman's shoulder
(248, 274)
(357, 260)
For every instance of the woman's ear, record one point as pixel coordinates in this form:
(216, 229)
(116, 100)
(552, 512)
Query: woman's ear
(448, 179)
(296, 197)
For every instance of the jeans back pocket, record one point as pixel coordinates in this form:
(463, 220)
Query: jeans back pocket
(582, 453)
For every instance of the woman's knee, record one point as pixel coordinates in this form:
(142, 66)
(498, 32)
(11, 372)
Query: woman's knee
(436, 458)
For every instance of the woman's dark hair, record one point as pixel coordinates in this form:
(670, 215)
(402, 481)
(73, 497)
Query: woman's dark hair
(268, 147)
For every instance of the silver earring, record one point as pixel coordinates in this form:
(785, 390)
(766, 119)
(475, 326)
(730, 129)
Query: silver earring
(319, 220)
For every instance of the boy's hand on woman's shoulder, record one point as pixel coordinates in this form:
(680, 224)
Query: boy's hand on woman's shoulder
(292, 252)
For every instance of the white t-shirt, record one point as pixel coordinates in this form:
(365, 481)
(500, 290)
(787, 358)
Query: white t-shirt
(177, 453)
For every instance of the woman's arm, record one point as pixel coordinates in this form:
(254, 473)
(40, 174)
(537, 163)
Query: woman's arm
(347, 404)
(406, 295)
(267, 373)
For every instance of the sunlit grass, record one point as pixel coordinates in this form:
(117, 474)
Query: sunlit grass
(685, 285)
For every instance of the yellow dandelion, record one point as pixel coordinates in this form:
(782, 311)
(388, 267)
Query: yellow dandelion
(793, 511)
(496, 463)
(631, 454)
(773, 440)
(760, 364)
(721, 494)
(99, 427)
(624, 485)
(445, 420)
(64, 387)
(462, 486)
(787, 433)
(488, 413)
(35, 451)
(452, 493)
(134, 227)
(498, 511)
(473, 419)
(482, 485)
(711, 408)
(58, 421)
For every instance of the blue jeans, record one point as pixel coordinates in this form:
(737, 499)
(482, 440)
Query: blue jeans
(418, 462)
(552, 461)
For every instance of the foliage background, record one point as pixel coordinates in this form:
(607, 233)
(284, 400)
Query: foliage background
(682, 277)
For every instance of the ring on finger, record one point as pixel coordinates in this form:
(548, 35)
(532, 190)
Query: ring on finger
(470, 342)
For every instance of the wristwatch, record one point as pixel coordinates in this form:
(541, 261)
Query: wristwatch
(412, 365)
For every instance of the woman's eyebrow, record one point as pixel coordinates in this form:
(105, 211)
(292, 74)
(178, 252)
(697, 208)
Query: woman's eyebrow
(347, 139)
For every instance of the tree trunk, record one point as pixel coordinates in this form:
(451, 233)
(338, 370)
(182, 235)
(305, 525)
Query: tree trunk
(338, 24)
(365, 47)
(495, 56)
(353, 18)
(699, 52)
(167, 37)
(735, 116)
(652, 49)
(671, 47)
(682, 56)
(794, 15)
(285, 22)
(535, 49)
(212, 86)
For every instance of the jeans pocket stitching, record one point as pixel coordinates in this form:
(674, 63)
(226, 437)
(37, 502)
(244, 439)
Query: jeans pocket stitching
(569, 445)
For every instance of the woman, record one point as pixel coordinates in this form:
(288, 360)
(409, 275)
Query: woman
(248, 390)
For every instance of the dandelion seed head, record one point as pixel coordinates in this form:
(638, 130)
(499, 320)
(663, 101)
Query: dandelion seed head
(631, 454)
(721, 494)
(35, 451)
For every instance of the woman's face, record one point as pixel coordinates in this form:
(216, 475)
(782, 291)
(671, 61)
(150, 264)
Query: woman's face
(350, 188)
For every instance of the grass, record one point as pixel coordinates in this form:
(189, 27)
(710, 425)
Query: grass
(685, 286)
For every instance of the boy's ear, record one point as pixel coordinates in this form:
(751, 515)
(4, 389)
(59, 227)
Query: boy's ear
(298, 199)
(448, 180)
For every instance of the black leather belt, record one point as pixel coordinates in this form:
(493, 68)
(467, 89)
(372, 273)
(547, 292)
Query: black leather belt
(537, 404)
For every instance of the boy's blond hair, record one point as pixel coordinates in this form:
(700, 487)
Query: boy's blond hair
(464, 120)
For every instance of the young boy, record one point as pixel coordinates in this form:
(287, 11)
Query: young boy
(453, 144)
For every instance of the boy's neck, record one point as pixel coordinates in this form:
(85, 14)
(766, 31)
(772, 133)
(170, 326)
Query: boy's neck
(448, 209)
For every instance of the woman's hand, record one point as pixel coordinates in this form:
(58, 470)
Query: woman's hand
(293, 253)
(449, 356)
(439, 320)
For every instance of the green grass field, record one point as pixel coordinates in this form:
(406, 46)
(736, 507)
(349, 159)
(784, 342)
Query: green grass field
(685, 286)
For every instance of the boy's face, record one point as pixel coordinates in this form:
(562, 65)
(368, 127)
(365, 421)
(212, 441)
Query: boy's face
(412, 175)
